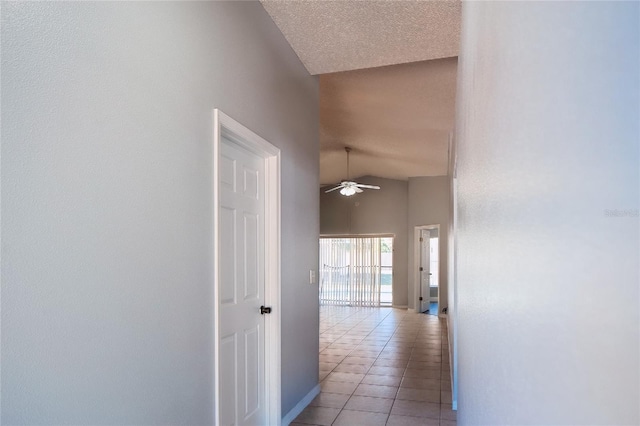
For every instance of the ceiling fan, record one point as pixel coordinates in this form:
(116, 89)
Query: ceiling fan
(349, 188)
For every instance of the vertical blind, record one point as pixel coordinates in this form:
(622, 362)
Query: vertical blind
(350, 271)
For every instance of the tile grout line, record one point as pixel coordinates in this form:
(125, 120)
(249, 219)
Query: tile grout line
(369, 322)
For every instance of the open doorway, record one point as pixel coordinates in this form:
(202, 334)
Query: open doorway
(427, 279)
(356, 270)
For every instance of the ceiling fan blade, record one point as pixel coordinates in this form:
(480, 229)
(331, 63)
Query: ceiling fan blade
(333, 189)
(360, 185)
(358, 190)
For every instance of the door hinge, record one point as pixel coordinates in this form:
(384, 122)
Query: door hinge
(421, 239)
(421, 269)
(265, 310)
(420, 297)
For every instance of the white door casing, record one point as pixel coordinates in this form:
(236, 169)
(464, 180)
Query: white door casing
(246, 276)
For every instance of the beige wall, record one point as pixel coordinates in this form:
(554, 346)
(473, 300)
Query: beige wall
(428, 205)
(372, 212)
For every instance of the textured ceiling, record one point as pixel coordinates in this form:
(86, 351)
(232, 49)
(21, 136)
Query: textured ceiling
(387, 84)
(397, 119)
(332, 36)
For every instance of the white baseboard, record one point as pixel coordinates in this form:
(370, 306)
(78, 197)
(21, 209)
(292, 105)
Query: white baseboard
(454, 399)
(399, 306)
(295, 411)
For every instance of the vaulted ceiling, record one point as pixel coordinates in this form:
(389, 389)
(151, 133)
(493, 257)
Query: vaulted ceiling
(396, 119)
(387, 81)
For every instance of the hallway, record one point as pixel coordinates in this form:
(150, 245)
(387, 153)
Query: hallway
(381, 366)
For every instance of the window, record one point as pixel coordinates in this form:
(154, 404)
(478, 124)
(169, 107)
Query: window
(434, 263)
(356, 271)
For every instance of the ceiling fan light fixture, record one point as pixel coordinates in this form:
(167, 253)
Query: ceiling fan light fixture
(348, 191)
(347, 187)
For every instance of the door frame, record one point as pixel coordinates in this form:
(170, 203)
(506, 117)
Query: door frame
(416, 262)
(223, 125)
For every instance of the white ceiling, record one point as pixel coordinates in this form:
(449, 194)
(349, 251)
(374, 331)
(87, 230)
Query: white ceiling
(387, 84)
(332, 36)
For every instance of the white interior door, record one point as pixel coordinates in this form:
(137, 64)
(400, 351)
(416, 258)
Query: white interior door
(242, 285)
(425, 275)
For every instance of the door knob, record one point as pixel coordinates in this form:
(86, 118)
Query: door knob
(265, 310)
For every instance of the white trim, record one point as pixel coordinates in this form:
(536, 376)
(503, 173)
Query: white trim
(242, 136)
(454, 400)
(416, 265)
(295, 411)
(399, 306)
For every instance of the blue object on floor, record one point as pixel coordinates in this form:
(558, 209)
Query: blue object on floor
(433, 308)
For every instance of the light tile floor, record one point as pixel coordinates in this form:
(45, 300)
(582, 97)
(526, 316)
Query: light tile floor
(381, 366)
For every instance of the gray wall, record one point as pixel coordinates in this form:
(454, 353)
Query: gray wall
(372, 211)
(106, 203)
(549, 192)
(429, 205)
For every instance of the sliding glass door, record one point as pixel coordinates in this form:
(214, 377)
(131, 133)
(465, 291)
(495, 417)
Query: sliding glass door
(356, 271)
